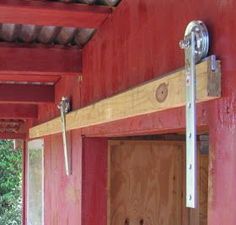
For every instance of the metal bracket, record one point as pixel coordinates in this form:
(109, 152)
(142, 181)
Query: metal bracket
(195, 44)
(204, 144)
(64, 107)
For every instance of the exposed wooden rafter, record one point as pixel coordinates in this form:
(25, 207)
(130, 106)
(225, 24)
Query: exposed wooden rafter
(157, 95)
(18, 111)
(7, 135)
(26, 93)
(40, 64)
(52, 13)
(11, 126)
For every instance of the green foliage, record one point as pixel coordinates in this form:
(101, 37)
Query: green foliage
(10, 184)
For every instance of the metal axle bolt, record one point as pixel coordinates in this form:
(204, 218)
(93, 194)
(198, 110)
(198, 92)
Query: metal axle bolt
(183, 44)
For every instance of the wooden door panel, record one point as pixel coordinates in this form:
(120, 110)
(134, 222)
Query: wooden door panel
(145, 183)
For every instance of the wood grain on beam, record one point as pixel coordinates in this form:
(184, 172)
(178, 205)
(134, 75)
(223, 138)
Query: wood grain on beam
(18, 111)
(26, 93)
(38, 63)
(157, 95)
(52, 13)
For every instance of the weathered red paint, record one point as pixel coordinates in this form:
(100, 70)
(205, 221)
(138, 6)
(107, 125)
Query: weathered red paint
(19, 111)
(62, 194)
(26, 93)
(7, 135)
(94, 170)
(147, 39)
(67, 86)
(139, 42)
(52, 13)
(38, 63)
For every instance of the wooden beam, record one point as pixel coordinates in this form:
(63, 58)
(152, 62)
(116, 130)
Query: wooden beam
(45, 13)
(18, 111)
(38, 63)
(7, 135)
(157, 95)
(8, 77)
(26, 93)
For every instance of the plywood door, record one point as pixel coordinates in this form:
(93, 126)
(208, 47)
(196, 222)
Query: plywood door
(198, 216)
(146, 183)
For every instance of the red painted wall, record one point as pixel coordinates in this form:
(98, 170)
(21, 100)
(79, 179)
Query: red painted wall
(94, 187)
(62, 193)
(139, 42)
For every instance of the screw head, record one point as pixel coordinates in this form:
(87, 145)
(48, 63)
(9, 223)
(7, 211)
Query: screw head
(183, 44)
(190, 198)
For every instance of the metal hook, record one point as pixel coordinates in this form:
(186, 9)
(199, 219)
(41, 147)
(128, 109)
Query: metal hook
(64, 107)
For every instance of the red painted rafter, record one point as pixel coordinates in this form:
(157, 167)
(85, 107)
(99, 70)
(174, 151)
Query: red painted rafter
(18, 111)
(26, 77)
(26, 93)
(42, 64)
(11, 126)
(7, 135)
(52, 13)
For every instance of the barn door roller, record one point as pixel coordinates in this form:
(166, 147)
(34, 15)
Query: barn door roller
(195, 44)
(64, 107)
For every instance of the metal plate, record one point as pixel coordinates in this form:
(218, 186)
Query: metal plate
(201, 38)
(196, 45)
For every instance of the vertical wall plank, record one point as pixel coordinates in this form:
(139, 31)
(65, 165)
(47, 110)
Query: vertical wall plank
(63, 193)
(94, 199)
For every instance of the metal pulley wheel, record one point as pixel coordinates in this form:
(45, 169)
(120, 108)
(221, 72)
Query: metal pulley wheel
(201, 39)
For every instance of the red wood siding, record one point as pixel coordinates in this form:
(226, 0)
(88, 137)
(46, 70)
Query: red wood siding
(139, 42)
(62, 193)
(94, 181)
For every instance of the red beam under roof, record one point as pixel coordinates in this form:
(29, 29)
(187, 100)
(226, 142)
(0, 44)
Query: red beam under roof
(26, 93)
(18, 111)
(26, 77)
(7, 135)
(42, 64)
(52, 13)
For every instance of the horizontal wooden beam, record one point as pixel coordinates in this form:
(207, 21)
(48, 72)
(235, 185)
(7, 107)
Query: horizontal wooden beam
(18, 111)
(38, 63)
(7, 135)
(157, 95)
(45, 13)
(8, 77)
(26, 93)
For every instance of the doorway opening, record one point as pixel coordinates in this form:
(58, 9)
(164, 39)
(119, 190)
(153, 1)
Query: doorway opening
(35, 182)
(146, 181)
